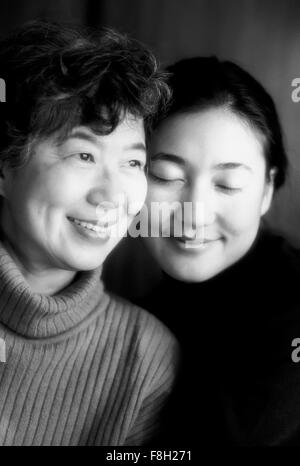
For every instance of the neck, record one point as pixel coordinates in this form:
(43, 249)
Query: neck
(37, 315)
(41, 279)
(48, 282)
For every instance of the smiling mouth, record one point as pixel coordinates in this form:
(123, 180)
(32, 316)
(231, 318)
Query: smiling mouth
(92, 227)
(197, 243)
(98, 222)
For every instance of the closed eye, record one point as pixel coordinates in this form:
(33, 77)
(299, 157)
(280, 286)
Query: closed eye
(159, 179)
(228, 189)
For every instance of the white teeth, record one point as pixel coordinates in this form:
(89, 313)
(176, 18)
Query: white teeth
(90, 226)
(195, 246)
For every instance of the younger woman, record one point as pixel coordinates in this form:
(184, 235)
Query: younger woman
(230, 288)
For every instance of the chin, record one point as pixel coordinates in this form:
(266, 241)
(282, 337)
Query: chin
(189, 273)
(83, 263)
(88, 257)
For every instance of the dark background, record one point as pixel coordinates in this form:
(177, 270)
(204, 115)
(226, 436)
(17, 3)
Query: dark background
(261, 35)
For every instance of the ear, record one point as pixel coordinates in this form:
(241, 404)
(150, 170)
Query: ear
(268, 192)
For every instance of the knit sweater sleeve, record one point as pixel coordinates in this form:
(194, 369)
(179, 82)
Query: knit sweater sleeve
(159, 352)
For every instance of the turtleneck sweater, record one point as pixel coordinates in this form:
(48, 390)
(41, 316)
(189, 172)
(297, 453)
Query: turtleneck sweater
(236, 332)
(81, 367)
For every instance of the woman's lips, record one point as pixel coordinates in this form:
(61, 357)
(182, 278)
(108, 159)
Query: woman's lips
(197, 243)
(105, 222)
(91, 229)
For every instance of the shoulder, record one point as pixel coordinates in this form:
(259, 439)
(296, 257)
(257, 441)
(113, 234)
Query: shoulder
(279, 273)
(283, 256)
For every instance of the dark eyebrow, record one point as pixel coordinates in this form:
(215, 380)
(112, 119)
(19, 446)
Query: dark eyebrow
(231, 166)
(168, 158)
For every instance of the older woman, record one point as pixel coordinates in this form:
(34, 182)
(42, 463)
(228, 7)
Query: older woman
(80, 366)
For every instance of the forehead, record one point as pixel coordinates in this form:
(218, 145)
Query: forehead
(208, 137)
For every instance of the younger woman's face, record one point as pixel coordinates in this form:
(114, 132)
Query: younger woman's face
(212, 163)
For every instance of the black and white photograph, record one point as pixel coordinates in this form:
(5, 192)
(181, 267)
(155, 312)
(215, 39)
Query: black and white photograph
(150, 226)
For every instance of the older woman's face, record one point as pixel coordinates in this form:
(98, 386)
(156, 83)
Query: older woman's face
(51, 213)
(214, 162)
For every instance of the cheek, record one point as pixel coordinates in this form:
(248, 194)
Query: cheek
(155, 200)
(161, 193)
(59, 187)
(135, 194)
(242, 214)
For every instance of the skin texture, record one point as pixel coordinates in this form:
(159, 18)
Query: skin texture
(214, 160)
(67, 181)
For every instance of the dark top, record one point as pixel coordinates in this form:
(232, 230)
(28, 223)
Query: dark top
(238, 384)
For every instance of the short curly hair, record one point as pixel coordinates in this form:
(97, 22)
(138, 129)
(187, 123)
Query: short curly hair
(59, 77)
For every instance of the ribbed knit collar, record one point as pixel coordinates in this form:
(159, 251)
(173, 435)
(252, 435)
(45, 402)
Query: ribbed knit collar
(39, 316)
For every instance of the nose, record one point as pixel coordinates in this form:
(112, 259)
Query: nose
(199, 209)
(107, 190)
